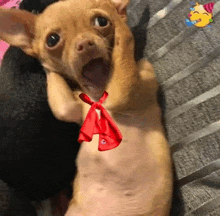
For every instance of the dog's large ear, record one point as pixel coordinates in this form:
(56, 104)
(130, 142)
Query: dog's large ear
(121, 6)
(17, 28)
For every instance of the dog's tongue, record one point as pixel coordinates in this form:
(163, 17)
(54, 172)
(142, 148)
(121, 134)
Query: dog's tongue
(96, 71)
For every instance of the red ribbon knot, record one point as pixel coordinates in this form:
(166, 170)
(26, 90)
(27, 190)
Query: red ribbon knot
(109, 134)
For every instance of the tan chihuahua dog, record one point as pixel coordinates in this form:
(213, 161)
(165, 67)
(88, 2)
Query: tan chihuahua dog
(89, 43)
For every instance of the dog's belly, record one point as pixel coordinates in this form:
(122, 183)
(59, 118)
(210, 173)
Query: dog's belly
(119, 182)
(128, 180)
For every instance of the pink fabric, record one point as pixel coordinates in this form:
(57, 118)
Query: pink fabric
(109, 134)
(6, 4)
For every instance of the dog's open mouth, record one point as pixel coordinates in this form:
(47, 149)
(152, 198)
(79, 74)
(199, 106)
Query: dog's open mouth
(95, 74)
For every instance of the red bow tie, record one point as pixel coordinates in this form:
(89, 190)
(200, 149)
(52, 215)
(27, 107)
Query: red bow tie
(109, 134)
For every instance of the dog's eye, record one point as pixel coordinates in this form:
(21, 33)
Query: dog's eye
(101, 21)
(52, 40)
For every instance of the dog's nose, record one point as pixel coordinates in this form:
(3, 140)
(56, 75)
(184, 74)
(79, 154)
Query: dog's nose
(85, 46)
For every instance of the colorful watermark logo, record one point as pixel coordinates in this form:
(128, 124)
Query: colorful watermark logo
(200, 15)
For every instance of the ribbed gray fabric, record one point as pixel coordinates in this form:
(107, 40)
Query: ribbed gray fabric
(187, 64)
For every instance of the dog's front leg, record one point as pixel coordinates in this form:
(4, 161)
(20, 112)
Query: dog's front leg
(125, 71)
(63, 102)
(131, 80)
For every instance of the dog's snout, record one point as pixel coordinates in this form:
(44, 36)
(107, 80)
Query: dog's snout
(85, 45)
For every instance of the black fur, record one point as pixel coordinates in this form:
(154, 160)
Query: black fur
(37, 152)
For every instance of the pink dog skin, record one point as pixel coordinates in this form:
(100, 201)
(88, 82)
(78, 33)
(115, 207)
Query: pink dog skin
(6, 4)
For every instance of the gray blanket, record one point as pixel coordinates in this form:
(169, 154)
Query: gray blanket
(187, 64)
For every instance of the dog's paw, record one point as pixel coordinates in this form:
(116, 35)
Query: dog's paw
(124, 42)
(123, 33)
